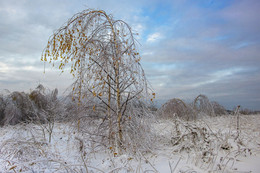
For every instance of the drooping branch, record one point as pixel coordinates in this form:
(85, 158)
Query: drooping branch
(103, 59)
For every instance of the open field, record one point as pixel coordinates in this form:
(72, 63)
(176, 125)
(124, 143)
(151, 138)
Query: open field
(206, 145)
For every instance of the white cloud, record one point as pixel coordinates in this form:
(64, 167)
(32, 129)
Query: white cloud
(3, 67)
(154, 37)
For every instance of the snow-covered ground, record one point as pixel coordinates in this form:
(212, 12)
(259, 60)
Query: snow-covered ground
(25, 148)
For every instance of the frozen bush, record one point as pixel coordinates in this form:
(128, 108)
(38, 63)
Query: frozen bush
(137, 124)
(19, 107)
(203, 106)
(177, 107)
(218, 109)
(102, 130)
(38, 97)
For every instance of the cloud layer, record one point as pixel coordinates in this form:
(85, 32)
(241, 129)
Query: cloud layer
(188, 47)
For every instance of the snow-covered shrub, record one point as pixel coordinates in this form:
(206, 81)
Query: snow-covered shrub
(19, 107)
(218, 109)
(188, 136)
(209, 149)
(98, 126)
(196, 139)
(49, 108)
(177, 107)
(203, 106)
(38, 96)
(85, 108)
(46, 102)
(138, 136)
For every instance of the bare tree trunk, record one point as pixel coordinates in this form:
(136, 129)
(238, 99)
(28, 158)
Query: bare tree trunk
(118, 98)
(109, 112)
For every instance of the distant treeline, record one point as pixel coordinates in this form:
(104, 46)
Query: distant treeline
(244, 111)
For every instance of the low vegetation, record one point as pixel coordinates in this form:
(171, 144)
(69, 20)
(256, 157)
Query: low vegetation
(58, 132)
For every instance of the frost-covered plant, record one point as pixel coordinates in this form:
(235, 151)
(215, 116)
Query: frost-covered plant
(2, 109)
(208, 149)
(137, 122)
(36, 106)
(104, 60)
(19, 108)
(202, 105)
(75, 110)
(197, 140)
(177, 107)
(49, 108)
(218, 109)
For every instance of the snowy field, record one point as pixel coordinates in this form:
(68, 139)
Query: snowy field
(206, 145)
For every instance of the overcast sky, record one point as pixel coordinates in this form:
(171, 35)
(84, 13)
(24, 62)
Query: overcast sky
(188, 47)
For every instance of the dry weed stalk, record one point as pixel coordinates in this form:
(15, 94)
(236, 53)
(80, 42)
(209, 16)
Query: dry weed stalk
(237, 114)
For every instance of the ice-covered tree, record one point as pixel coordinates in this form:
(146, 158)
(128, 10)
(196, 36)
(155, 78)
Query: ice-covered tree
(104, 60)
